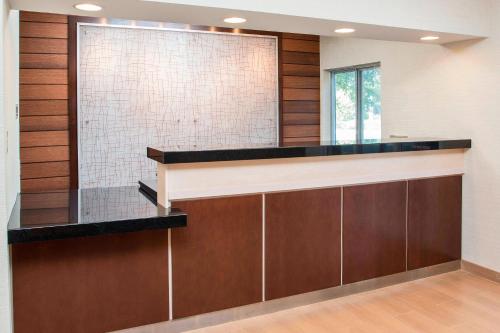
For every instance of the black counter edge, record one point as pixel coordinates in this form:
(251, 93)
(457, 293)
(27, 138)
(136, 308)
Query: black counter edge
(54, 232)
(176, 157)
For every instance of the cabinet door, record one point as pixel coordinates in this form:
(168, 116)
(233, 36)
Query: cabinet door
(217, 258)
(374, 231)
(434, 221)
(302, 241)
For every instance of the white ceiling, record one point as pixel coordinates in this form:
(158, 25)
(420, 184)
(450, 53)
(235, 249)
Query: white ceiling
(165, 11)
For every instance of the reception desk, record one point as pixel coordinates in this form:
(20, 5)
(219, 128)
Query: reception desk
(235, 232)
(273, 222)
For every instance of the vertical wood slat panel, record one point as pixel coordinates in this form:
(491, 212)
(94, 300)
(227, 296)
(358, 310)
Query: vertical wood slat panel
(43, 95)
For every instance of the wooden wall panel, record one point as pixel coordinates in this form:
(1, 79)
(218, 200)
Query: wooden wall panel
(434, 221)
(43, 76)
(374, 231)
(90, 284)
(217, 260)
(43, 95)
(302, 241)
(300, 96)
(43, 46)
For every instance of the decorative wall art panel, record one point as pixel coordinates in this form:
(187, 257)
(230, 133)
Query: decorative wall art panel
(178, 89)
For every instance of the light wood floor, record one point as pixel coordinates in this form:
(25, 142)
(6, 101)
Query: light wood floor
(451, 302)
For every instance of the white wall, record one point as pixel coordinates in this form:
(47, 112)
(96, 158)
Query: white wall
(443, 91)
(459, 16)
(9, 149)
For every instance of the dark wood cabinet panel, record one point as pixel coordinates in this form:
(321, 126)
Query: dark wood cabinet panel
(29, 60)
(91, 284)
(374, 231)
(302, 241)
(287, 35)
(434, 221)
(217, 259)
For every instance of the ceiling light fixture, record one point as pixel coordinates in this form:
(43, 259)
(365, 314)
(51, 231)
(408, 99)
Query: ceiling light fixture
(235, 20)
(345, 30)
(427, 38)
(88, 7)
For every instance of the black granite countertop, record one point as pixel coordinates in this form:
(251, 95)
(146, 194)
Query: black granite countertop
(45, 216)
(192, 154)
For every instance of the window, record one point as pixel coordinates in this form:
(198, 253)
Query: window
(356, 110)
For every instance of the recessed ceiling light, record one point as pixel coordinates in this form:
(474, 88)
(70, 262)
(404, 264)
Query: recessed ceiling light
(88, 7)
(235, 20)
(345, 30)
(429, 38)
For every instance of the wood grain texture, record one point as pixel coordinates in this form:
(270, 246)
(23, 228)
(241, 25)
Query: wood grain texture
(301, 106)
(301, 70)
(447, 303)
(55, 61)
(45, 184)
(44, 154)
(300, 140)
(301, 58)
(43, 123)
(287, 35)
(43, 108)
(43, 30)
(44, 139)
(434, 221)
(301, 227)
(36, 216)
(44, 170)
(296, 131)
(91, 284)
(297, 45)
(43, 91)
(43, 76)
(42, 17)
(293, 94)
(217, 261)
(301, 119)
(304, 82)
(374, 231)
(43, 45)
(45, 200)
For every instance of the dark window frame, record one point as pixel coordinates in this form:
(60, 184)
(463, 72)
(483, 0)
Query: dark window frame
(358, 69)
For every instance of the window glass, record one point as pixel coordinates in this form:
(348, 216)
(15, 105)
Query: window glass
(370, 104)
(345, 106)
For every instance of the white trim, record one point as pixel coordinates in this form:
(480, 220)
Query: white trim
(213, 179)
